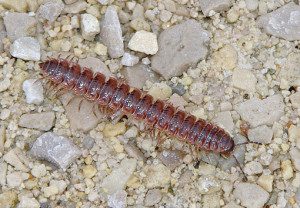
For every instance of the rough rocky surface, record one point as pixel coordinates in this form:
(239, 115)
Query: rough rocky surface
(14, 158)
(90, 26)
(41, 121)
(179, 47)
(19, 25)
(96, 65)
(261, 134)
(259, 112)
(50, 10)
(129, 59)
(157, 175)
(76, 7)
(225, 120)
(246, 192)
(83, 115)
(26, 48)
(55, 149)
(217, 6)
(226, 58)
(111, 33)
(137, 75)
(283, 22)
(244, 79)
(295, 100)
(143, 41)
(153, 196)
(34, 91)
(117, 180)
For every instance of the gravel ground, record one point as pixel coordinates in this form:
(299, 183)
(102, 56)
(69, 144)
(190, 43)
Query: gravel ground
(235, 63)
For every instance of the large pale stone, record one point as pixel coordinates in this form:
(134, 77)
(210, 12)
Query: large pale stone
(111, 33)
(180, 47)
(283, 22)
(258, 112)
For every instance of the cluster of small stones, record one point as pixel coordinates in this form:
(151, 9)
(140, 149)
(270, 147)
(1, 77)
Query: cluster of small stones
(235, 63)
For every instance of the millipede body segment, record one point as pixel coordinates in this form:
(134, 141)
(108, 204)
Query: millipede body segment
(118, 96)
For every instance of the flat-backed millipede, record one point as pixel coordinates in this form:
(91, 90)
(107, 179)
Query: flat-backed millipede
(118, 96)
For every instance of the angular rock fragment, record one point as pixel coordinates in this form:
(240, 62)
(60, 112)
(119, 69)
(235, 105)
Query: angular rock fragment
(15, 159)
(117, 200)
(217, 6)
(129, 59)
(261, 134)
(111, 33)
(259, 112)
(42, 121)
(143, 41)
(157, 175)
(118, 178)
(224, 119)
(55, 149)
(26, 48)
(226, 58)
(137, 75)
(180, 46)
(76, 7)
(283, 22)
(295, 100)
(89, 26)
(96, 65)
(16, 5)
(82, 114)
(27, 202)
(152, 197)
(50, 9)
(171, 158)
(244, 79)
(34, 91)
(295, 155)
(251, 195)
(19, 25)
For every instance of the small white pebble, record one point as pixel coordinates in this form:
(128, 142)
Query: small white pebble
(90, 26)
(27, 202)
(145, 42)
(165, 15)
(287, 169)
(5, 113)
(100, 49)
(146, 61)
(39, 171)
(34, 91)
(251, 4)
(129, 59)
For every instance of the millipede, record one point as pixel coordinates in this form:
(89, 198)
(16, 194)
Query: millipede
(117, 96)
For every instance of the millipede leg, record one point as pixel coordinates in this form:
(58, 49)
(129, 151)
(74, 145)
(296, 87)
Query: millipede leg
(94, 111)
(117, 116)
(74, 59)
(79, 105)
(73, 98)
(160, 138)
(61, 92)
(50, 89)
(56, 90)
(238, 163)
(38, 80)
